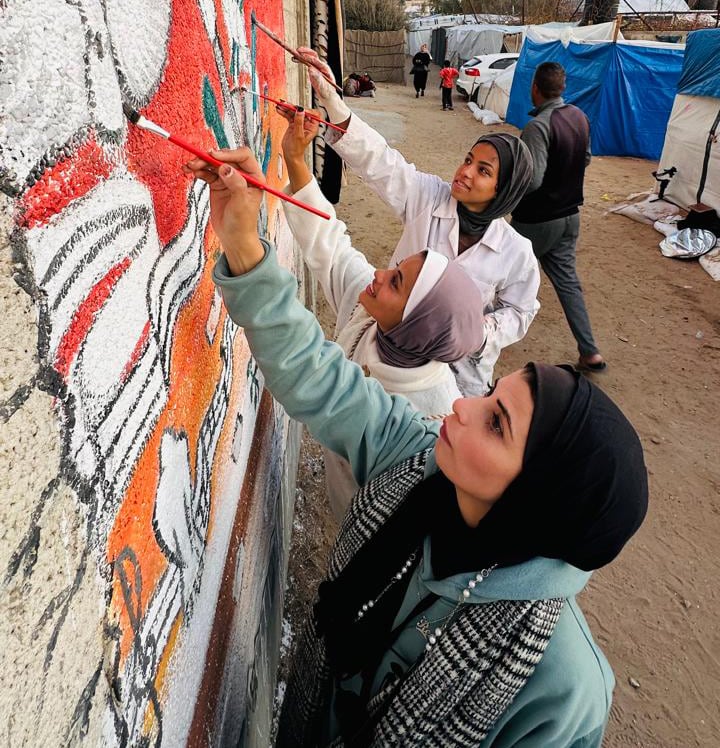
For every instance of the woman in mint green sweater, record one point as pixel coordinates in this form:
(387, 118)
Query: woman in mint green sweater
(448, 615)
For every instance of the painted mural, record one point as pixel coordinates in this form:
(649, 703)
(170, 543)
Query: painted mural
(128, 400)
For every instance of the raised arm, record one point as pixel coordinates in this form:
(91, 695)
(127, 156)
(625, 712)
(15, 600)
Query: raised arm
(397, 183)
(348, 412)
(326, 246)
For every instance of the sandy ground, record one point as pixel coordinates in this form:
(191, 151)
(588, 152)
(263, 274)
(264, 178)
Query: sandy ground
(656, 610)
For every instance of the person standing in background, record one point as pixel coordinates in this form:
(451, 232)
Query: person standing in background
(421, 65)
(447, 77)
(558, 137)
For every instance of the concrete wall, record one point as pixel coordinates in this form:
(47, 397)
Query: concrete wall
(146, 477)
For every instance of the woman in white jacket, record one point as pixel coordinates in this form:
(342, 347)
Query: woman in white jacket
(461, 220)
(403, 325)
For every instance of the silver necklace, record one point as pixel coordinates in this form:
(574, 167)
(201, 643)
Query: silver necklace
(424, 625)
(396, 578)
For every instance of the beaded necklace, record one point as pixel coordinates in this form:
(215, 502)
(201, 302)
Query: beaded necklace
(423, 625)
(396, 578)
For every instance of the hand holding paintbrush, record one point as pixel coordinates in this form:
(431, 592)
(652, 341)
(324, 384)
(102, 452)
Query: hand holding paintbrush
(288, 107)
(338, 111)
(146, 124)
(298, 55)
(299, 135)
(234, 205)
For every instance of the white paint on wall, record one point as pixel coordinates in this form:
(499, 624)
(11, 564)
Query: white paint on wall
(104, 99)
(114, 413)
(139, 30)
(211, 326)
(31, 67)
(184, 671)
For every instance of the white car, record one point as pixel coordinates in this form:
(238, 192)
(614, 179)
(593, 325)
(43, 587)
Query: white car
(482, 69)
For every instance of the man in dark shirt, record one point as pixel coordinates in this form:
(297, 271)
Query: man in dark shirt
(558, 137)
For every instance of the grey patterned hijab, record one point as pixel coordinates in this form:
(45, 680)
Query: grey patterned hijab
(514, 176)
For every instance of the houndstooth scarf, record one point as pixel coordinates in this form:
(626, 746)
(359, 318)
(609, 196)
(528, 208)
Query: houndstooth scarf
(457, 690)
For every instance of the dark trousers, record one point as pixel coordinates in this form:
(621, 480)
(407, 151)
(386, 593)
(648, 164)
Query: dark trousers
(554, 246)
(446, 97)
(420, 81)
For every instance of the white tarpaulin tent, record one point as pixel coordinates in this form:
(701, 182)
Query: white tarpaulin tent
(692, 140)
(495, 95)
(653, 6)
(567, 32)
(419, 30)
(464, 42)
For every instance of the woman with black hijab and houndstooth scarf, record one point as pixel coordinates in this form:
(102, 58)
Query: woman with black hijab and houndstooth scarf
(448, 615)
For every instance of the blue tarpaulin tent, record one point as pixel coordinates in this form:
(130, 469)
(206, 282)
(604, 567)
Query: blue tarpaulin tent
(701, 67)
(625, 89)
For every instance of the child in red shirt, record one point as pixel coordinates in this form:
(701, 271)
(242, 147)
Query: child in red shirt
(447, 75)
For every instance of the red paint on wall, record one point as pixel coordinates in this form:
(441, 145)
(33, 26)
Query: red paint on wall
(137, 352)
(271, 66)
(71, 178)
(271, 57)
(177, 107)
(83, 320)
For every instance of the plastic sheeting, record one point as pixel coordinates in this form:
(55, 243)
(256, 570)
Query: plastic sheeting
(701, 69)
(570, 32)
(652, 6)
(415, 39)
(495, 95)
(690, 145)
(688, 244)
(686, 147)
(610, 82)
(419, 30)
(464, 42)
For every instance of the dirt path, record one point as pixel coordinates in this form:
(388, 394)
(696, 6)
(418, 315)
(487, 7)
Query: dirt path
(656, 610)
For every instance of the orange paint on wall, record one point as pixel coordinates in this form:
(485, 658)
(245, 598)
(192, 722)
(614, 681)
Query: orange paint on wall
(162, 669)
(195, 368)
(196, 365)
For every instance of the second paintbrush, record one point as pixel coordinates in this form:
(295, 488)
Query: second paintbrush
(294, 108)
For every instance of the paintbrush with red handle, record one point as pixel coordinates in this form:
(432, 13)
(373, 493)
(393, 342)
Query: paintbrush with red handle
(294, 108)
(293, 52)
(137, 119)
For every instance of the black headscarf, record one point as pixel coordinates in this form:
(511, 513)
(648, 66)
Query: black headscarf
(514, 176)
(581, 495)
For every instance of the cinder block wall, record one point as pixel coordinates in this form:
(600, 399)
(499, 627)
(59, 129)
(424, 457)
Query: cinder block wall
(146, 476)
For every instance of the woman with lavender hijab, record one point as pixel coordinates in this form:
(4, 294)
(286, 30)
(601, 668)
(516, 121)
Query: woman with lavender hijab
(403, 325)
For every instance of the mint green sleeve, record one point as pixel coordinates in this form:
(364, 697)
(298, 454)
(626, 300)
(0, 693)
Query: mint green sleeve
(347, 412)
